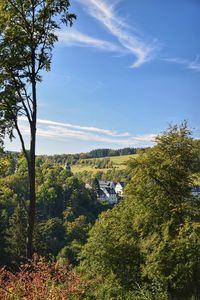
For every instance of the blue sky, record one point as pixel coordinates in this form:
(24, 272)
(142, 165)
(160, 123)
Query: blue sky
(119, 76)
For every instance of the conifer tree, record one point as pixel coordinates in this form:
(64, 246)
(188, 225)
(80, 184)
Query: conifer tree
(16, 236)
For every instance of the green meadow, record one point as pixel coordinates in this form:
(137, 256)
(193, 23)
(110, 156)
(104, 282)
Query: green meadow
(90, 164)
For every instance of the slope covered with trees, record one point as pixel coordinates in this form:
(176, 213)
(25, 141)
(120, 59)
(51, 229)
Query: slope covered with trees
(148, 247)
(65, 211)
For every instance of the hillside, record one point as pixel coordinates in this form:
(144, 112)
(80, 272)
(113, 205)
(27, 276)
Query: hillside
(104, 165)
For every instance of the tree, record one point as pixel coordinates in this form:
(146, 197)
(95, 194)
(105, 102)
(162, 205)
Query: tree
(27, 37)
(95, 185)
(16, 239)
(111, 254)
(151, 239)
(166, 215)
(50, 237)
(76, 234)
(3, 236)
(162, 176)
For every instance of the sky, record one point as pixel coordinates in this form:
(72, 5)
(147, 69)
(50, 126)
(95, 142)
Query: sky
(119, 76)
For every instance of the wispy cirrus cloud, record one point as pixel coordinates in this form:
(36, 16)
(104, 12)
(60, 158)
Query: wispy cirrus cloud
(63, 131)
(78, 127)
(191, 65)
(129, 38)
(75, 37)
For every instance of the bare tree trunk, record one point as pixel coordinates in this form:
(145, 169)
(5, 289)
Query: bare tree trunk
(31, 167)
(32, 195)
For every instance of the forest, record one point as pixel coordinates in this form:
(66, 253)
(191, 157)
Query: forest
(146, 247)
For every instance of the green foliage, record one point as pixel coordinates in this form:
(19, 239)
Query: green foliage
(174, 260)
(27, 37)
(76, 234)
(65, 211)
(98, 153)
(146, 247)
(96, 163)
(7, 165)
(112, 250)
(80, 200)
(16, 233)
(49, 237)
(27, 33)
(161, 180)
(3, 237)
(149, 244)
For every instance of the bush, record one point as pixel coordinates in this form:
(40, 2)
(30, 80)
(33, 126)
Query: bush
(40, 280)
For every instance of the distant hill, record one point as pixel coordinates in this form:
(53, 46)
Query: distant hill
(104, 164)
(97, 153)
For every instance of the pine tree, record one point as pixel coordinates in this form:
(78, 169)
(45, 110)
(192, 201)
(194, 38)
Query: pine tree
(17, 236)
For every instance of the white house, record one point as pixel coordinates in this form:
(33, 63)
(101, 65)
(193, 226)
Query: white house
(195, 190)
(110, 195)
(107, 192)
(119, 188)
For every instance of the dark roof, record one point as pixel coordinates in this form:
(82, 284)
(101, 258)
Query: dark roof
(104, 184)
(195, 188)
(101, 193)
(110, 191)
(122, 183)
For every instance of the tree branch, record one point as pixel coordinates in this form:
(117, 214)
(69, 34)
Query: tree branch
(21, 97)
(24, 204)
(19, 132)
(20, 12)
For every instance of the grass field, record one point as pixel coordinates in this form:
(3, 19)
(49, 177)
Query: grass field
(118, 162)
(121, 160)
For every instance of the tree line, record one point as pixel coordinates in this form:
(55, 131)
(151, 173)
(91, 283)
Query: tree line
(97, 153)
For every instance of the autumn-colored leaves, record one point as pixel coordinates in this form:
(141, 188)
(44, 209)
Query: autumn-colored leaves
(40, 280)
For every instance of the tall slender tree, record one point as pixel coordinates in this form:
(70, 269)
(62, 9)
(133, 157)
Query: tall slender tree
(27, 36)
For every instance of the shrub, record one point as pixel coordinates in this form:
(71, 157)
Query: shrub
(41, 280)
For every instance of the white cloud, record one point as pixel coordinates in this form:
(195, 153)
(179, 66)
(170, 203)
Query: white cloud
(191, 65)
(129, 40)
(75, 37)
(63, 131)
(84, 128)
(146, 138)
(194, 65)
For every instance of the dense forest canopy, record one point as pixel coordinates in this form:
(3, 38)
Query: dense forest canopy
(65, 210)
